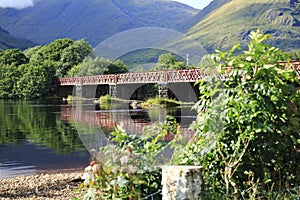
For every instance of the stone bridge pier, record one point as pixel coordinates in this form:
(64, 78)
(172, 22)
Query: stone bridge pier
(138, 91)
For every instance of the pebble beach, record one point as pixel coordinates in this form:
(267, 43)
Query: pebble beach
(53, 185)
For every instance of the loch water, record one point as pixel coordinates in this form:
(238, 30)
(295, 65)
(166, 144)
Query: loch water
(45, 135)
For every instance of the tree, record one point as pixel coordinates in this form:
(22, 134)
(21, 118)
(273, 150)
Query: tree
(12, 57)
(168, 61)
(30, 74)
(90, 66)
(8, 77)
(72, 55)
(178, 65)
(247, 128)
(63, 53)
(117, 67)
(36, 80)
(31, 51)
(9, 61)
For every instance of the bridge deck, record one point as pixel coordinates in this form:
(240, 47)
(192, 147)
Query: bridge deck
(169, 76)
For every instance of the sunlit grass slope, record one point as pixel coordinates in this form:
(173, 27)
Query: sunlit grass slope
(232, 22)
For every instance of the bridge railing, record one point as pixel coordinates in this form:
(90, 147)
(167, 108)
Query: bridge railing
(142, 77)
(89, 80)
(99, 79)
(295, 65)
(186, 75)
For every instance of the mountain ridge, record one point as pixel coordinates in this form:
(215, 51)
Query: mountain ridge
(204, 13)
(8, 41)
(94, 20)
(232, 22)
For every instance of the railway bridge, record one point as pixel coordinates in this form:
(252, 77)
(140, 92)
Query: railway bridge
(135, 85)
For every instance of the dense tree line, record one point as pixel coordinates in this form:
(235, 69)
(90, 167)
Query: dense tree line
(31, 73)
(95, 66)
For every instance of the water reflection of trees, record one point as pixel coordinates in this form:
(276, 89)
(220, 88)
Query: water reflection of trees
(36, 123)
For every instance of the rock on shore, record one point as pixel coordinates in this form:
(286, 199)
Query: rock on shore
(41, 186)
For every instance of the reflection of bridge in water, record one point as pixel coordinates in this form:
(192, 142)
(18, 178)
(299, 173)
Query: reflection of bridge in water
(133, 121)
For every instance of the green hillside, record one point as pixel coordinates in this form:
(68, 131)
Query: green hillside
(7, 41)
(94, 20)
(204, 13)
(232, 23)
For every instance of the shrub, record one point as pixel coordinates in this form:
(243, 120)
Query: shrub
(247, 128)
(128, 166)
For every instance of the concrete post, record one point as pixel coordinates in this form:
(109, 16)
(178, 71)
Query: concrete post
(163, 90)
(182, 183)
(78, 91)
(113, 90)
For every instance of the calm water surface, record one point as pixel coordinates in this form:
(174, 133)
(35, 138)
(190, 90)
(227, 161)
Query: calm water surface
(33, 138)
(39, 136)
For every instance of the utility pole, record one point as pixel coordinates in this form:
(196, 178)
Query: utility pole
(187, 59)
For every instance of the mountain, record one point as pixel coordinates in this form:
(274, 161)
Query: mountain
(232, 21)
(94, 20)
(7, 41)
(203, 13)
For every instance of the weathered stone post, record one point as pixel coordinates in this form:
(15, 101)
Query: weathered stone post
(163, 90)
(182, 183)
(78, 91)
(113, 90)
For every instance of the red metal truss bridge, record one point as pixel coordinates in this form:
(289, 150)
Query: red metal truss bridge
(168, 76)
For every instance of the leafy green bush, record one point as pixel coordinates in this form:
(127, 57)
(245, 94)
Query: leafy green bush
(31, 74)
(128, 167)
(164, 102)
(247, 128)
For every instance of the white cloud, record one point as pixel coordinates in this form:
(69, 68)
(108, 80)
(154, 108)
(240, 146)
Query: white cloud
(18, 4)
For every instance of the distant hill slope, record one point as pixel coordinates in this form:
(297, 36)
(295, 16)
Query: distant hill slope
(94, 20)
(7, 41)
(204, 13)
(232, 23)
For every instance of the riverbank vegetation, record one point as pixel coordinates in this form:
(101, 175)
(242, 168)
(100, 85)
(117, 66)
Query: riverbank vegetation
(164, 102)
(128, 166)
(247, 128)
(31, 73)
(246, 140)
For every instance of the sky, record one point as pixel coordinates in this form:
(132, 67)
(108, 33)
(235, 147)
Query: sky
(195, 3)
(19, 4)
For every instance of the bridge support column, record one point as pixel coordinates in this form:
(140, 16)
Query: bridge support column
(113, 90)
(163, 90)
(78, 91)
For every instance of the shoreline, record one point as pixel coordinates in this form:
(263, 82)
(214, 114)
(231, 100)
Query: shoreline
(57, 171)
(52, 184)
